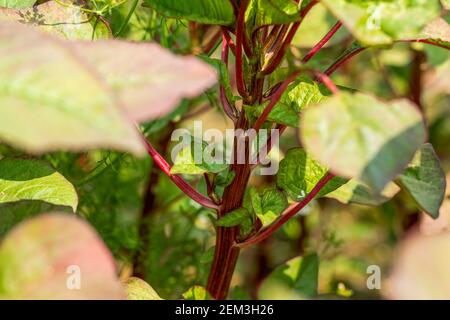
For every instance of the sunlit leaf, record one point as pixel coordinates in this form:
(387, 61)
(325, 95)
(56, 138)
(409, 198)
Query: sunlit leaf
(424, 180)
(197, 293)
(16, 3)
(49, 99)
(273, 202)
(375, 22)
(359, 136)
(203, 11)
(138, 289)
(56, 256)
(149, 79)
(233, 218)
(34, 180)
(67, 22)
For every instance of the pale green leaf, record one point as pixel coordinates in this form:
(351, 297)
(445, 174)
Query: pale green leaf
(204, 11)
(380, 22)
(57, 256)
(138, 289)
(50, 100)
(233, 218)
(295, 279)
(357, 192)
(424, 180)
(149, 79)
(67, 22)
(34, 180)
(299, 174)
(197, 293)
(16, 3)
(446, 4)
(358, 136)
(273, 203)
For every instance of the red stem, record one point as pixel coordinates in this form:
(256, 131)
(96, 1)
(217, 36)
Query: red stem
(178, 180)
(274, 100)
(230, 42)
(227, 107)
(322, 42)
(240, 34)
(342, 61)
(288, 213)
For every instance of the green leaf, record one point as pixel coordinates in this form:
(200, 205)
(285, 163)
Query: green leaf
(359, 136)
(273, 203)
(224, 77)
(50, 100)
(270, 12)
(16, 3)
(299, 173)
(357, 192)
(380, 22)
(57, 256)
(185, 162)
(300, 94)
(446, 4)
(296, 279)
(424, 180)
(67, 22)
(34, 180)
(138, 289)
(197, 293)
(204, 11)
(149, 79)
(233, 218)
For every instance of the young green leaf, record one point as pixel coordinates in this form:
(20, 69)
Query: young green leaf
(149, 79)
(424, 180)
(34, 180)
(50, 100)
(197, 293)
(233, 218)
(138, 289)
(359, 136)
(66, 22)
(296, 279)
(273, 203)
(57, 256)
(300, 94)
(357, 192)
(204, 11)
(16, 4)
(270, 12)
(375, 22)
(299, 173)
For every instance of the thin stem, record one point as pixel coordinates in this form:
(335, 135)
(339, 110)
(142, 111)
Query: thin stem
(178, 180)
(127, 18)
(342, 60)
(240, 34)
(230, 42)
(229, 110)
(322, 42)
(275, 61)
(274, 100)
(212, 44)
(288, 213)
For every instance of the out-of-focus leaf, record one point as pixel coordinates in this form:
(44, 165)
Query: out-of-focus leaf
(233, 218)
(446, 4)
(424, 180)
(437, 31)
(224, 77)
(299, 173)
(203, 11)
(50, 100)
(197, 293)
(300, 94)
(420, 269)
(16, 3)
(56, 256)
(375, 22)
(357, 192)
(67, 22)
(359, 136)
(149, 79)
(34, 180)
(138, 289)
(296, 279)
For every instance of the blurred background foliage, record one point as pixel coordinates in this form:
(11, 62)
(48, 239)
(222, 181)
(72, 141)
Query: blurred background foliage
(124, 197)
